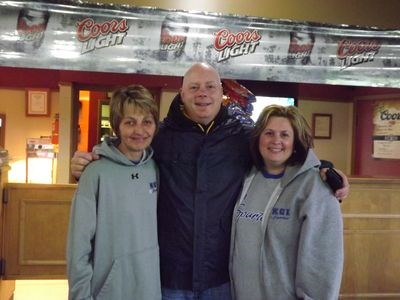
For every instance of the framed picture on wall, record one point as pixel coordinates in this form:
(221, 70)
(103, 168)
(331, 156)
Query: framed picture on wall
(38, 102)
(322, 126)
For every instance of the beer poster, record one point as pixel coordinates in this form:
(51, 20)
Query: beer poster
(386, 138)
(77, 35)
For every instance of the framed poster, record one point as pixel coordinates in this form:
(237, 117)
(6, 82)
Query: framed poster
(38, 102)
(322, 126)
(386, 134)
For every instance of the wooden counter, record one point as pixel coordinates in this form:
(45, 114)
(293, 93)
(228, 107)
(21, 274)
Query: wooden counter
(35, 226)
(371, 217)
(35, 222)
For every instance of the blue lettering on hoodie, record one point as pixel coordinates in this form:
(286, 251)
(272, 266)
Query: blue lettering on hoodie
(280, 213)
(257, 216)
(249, 215)
(153, 187)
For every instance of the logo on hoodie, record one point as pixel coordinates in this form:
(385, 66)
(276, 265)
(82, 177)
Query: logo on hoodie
(153, 187)
(280, 213)
(243, 213)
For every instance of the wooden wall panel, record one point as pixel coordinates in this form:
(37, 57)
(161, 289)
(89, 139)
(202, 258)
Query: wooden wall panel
(371, 217)
(35, 229)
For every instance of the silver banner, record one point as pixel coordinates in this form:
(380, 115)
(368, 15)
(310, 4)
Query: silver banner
(74, 35)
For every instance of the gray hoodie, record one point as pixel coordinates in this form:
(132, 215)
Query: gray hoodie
(112, 250)
(296, 239)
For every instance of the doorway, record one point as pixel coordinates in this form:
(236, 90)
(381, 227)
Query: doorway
(90, 118)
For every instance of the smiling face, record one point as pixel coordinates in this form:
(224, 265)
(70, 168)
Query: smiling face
(136, 131)
(133, 118)
(201, 93)
(276, 144)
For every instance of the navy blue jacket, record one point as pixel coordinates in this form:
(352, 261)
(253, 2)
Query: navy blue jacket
(201, 175)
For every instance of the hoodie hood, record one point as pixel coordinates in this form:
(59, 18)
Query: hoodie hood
(291, 172)
(108, 148)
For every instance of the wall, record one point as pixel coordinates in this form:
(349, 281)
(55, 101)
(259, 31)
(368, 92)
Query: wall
(382, 14)
(66, 135)
(166, 98)
(338, 149)
(312, 99)
(19, 127)
(36, 126)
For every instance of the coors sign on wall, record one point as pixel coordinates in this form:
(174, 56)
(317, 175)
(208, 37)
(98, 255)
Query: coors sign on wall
(71, 35)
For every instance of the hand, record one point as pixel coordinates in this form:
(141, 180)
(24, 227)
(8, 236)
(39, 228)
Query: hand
(343, 192)
(79, 162)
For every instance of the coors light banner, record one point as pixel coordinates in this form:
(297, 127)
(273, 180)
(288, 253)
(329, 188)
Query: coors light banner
(71, 35)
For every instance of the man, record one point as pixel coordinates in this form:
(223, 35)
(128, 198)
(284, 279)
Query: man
(203, 155)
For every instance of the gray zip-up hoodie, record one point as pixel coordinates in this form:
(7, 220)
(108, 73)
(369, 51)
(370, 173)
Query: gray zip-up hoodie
(112, 250)
(301, 253)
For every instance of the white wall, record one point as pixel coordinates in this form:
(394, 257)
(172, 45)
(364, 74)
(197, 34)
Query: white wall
(338, 149)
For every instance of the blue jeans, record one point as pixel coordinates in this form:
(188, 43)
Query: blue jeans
(222, 292)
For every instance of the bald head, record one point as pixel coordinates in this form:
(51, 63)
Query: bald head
(201, 93)
(204, 68)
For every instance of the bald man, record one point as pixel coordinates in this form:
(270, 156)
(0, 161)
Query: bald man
(203, 156)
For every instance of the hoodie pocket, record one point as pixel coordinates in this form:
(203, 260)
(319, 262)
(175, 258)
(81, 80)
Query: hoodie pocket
(106, 291)
(133, 276)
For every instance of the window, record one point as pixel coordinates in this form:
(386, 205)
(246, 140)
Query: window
(262, 101)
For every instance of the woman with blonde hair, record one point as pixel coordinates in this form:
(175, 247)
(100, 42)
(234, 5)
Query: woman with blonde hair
(113, 248)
